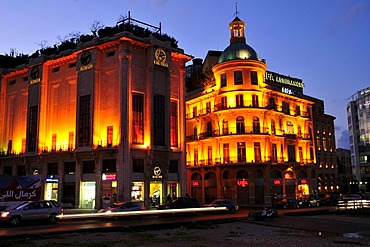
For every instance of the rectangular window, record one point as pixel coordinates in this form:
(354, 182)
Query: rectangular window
(54, 142)
(291, 153)
(109, 136)
(84, 127)
(257, 152)
(298, 110)
(300, 150)
(138, 165)
(223, 102)
(137, 118)
(254, 78)
(32, 129)
(238, 77)
(109, 166)
(223, 80)
(23, 145)
(209, 155)
(273, 153)
(174, 124)
(88, 166)
(69, 168)
(208, 107)
(21, 170)
(255, 100)
(8, 170)
(195, 111)
(239, 100)
(241, 152)
(285, 107)
(311, 154)
(195, 156)
(226, 152)
(71, 140)
(174, 166)
(159, 120)
(52, 169)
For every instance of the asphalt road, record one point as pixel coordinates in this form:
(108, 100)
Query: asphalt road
(322, 220)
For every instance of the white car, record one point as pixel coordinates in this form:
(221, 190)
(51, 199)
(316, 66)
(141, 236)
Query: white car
(32, 211)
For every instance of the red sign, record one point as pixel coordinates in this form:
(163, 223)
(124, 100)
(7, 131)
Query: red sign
(276, 182)
(195, 183)
(109, 177)
(242, 183)
(303, 181)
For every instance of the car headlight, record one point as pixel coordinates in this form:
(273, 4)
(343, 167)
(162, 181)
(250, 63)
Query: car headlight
(4, 214)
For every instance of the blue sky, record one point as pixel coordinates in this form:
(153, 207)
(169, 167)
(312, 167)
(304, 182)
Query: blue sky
(326, 43)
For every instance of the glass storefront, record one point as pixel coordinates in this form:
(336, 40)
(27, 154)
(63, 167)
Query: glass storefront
(155, 193)
(137, 191)
(87, 195)
(51, 189)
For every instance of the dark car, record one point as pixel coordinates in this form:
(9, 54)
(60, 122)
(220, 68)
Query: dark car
(309, 201)
(287, 203)
(230, 205)
(123, 207)
(329, 199)
(181, 202)
(32, 211)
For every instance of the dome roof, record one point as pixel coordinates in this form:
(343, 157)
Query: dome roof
(238, 51)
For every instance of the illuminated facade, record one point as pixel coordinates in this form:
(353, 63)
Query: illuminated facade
(104, 119)
(358, 109)
(249, 132)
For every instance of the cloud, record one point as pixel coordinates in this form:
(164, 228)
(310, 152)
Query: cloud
(342, 137)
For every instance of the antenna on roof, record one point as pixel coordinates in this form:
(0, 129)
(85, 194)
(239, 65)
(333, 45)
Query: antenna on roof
(236, 10)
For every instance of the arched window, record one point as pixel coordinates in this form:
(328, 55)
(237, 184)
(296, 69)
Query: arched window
(276, 174)
(240, 127)
(302, 174)
(273, 128)
(242, 174)
(289, 174)
(225, 127)
(196, 176)
(289, 127)
(209, 129)
(226, 175)
(256, 125)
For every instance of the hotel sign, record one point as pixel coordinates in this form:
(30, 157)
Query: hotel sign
(274, 77)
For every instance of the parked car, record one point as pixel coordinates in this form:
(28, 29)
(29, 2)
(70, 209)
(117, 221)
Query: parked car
(330, 199)
(123, 207)
(181, 202)
(352, 196)
(287, 203)
(32, 211)
(309, 201)
(230, 205)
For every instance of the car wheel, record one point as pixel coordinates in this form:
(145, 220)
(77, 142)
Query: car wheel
(309, 205)
(297, 205)
(232, 210)
(15, 221)
(285, 206)
(53, 219)
(317, 204)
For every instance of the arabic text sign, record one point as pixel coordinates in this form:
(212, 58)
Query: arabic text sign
(20, 194)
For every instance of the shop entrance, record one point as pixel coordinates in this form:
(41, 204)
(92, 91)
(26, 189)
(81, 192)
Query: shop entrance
(155, 193)
(51, 191)
(87, 195)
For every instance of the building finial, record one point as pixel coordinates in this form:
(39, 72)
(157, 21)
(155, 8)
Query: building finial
(236, 10)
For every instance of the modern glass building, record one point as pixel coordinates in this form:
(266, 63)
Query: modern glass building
(358, 112)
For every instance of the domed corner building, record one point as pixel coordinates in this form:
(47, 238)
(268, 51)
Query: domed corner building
(251, 133)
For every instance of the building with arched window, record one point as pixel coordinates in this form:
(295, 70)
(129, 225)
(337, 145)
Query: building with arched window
(104, 118)
(261, 143)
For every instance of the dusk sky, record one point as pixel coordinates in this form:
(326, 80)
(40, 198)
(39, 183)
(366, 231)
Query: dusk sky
(326, 43)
